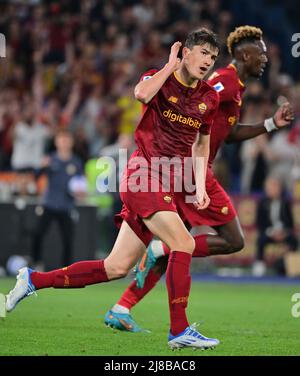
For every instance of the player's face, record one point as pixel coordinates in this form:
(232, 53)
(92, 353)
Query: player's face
(199, 60)
(257, 59)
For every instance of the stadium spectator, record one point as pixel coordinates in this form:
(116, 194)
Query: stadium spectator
(29, 140)
(275, 223)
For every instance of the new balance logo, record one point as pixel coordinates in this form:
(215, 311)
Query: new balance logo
(66, 281)
(182, 299)
(173, 99)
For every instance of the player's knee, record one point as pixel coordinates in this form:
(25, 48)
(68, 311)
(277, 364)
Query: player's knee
(116, 271)
(238, 244)
(186, 243)
(191, 244)
(121, 272)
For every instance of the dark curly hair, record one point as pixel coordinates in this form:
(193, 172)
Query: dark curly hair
(241, 34)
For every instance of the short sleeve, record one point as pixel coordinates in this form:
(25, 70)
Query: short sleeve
(225, 86)
(212, 101)
(145, 77)
(148, 74)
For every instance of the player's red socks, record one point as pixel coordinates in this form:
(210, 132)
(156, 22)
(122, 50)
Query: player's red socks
(79, 274)
(178, 284)
(132, 295)
(201, 247)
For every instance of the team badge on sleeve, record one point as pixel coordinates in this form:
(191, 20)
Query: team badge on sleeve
(218, 87)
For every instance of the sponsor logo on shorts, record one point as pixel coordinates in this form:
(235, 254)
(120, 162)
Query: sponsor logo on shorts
(168, 199)
(232, 120)
(182, 299)
(66, 281)
(172, 116)
(225, 210)
(202, 107)
(173, 99)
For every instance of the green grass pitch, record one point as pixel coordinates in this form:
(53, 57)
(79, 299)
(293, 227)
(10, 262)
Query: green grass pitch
(248, 319)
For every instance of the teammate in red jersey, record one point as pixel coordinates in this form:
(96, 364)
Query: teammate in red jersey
(248, 50)
(172, 124)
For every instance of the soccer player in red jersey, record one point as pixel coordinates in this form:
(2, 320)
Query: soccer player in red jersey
(248, 50)
(172, 125)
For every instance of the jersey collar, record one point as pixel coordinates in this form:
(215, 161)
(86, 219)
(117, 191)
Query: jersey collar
(178, 79)
(234, 67)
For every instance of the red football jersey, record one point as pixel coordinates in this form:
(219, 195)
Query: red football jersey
(230, 88)
(174, 116)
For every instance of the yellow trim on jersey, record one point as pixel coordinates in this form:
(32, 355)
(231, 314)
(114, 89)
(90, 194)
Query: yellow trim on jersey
(181, 82)
(234, 67)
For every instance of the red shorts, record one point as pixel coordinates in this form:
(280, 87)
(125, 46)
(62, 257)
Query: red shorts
(139, 205)
(219, 212)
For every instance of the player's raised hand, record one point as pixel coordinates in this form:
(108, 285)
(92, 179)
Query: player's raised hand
(202, 201)
(284, 115)
(174, 61)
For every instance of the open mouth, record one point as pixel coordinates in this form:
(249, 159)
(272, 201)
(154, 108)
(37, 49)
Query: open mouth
(203, 69)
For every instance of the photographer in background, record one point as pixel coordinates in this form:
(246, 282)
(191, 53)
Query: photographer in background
(61, 167)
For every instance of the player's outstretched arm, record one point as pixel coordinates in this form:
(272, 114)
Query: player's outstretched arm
(282, 117)
(147, 89)
(200, 154)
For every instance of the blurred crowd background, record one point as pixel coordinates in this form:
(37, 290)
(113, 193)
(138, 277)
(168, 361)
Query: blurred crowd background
(73, 64)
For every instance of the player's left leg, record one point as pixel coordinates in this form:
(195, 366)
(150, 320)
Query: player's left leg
(131, 296)
(127, 249)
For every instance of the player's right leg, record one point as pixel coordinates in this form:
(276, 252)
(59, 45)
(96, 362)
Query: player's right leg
(229, 239)
(126, 251)
(168, 227)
